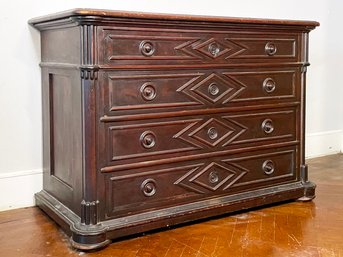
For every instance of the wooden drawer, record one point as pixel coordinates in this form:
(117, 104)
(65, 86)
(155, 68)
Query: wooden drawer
(152, 188)
(135, 92)
(199, 134)
(135, 46)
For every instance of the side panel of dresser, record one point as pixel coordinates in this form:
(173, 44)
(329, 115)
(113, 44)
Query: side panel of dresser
(62, 119)
(69, 117)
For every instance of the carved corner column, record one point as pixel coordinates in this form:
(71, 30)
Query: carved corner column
(89, 76)
(309, 187)
(89, 233)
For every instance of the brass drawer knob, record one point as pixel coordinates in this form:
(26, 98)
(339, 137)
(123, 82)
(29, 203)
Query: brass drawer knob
(148, 187)
(147, 48)
(214, 49)
(267, 126)
(269, 85)
(268, 167)
(270, 48)
(148, 91)
(213, 89)
(148, 139)
(212, 133)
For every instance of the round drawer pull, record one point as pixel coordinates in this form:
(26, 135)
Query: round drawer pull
(268, 167)
(269, 85)
(213, 177)
(147, 48)
(148, 91)
(148, 187)
(214, 49)
(148, 139)
(267, 126)
(212, 133)
(213, 89)
(270, 48)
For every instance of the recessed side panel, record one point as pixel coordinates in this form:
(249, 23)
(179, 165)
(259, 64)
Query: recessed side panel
(61, 46)
(61, 124)
(62, 135)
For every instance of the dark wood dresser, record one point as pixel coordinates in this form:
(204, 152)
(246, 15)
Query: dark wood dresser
(151, 120)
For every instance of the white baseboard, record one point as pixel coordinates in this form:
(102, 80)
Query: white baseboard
(17, 189)
(323, 143)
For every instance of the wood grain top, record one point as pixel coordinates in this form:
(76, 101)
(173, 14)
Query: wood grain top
(83, 13)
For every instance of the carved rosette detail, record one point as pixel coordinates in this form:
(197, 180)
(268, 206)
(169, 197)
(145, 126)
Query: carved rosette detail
(148, 187)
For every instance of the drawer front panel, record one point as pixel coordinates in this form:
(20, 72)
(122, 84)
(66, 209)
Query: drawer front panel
(148, 92)
(152, 46)
(168, 138)
(197, 180)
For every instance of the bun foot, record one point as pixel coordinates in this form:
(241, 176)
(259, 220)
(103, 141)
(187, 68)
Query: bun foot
(89, 242)
(309, 192)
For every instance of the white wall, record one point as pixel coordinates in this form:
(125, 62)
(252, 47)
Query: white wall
(325, 91)
(20, 97)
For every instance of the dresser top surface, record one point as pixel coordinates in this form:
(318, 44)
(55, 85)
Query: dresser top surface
(111, 14)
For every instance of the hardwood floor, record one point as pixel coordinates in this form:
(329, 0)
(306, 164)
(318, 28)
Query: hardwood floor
(290, 229)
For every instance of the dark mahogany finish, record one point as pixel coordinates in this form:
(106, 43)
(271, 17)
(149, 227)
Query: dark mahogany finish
(152, 120)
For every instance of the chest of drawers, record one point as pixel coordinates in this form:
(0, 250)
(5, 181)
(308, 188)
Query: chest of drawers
(151, 120)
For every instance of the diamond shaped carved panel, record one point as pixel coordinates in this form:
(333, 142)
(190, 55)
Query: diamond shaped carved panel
(212, 48)
(212, 88)
(220, 131)
(212, 132)
(211, 177)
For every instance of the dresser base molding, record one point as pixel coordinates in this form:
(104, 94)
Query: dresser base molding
(88, 237)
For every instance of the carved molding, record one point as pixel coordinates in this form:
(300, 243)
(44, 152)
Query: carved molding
(226, 131)
(89, 212)
(88, 54)
(186, 135)
(89, 73)
(88, 44)
(190, 47)
(210, 48)
(157, 83)
(212, 177)
(214, 88)
(227, 174)
(304, 174)
(304, 69)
